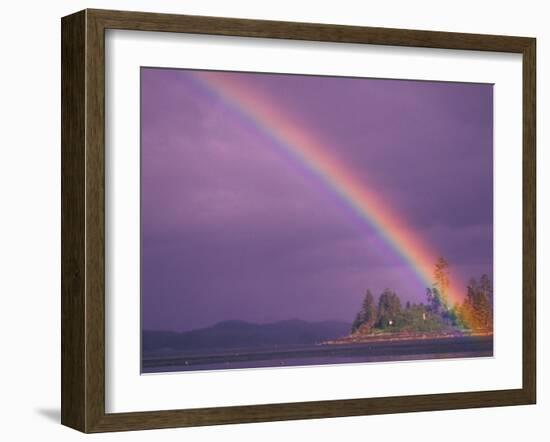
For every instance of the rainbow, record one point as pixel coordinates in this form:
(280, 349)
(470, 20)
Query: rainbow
(311, 152)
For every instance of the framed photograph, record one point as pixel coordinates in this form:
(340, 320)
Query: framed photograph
(270, 220)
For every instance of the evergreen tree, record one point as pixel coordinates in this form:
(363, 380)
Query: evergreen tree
(487, 291)
(367, 315)
(442, 282)
(357, 322)
(434, 300)
(477, 310)
(389, 309)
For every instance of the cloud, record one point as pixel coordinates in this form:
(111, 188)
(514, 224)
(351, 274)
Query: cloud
(234, 225)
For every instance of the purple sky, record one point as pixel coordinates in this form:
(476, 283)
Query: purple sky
(233, 228)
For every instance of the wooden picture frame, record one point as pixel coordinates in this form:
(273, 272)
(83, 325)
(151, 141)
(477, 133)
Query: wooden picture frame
(83, 220)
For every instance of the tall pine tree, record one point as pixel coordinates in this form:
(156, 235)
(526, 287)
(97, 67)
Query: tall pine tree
(367, 315)
(389, 309)
(442, 282)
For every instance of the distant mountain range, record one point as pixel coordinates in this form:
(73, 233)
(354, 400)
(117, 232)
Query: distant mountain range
(242, 334)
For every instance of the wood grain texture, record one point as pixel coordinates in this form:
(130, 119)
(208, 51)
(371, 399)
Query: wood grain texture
(529, 221)
(83, 220)
(73, 128)
(95, 221)
(145, 21)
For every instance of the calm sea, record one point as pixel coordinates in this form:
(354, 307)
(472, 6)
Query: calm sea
(461, 347)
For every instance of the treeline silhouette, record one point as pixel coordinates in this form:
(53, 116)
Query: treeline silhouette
(387, 313)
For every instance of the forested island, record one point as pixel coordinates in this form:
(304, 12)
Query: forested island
(386, 318)
(384, 329)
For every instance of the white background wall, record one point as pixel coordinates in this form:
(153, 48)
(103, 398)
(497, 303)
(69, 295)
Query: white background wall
(30, 216)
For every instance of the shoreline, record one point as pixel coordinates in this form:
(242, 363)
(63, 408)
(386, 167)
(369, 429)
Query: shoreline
(403, 336)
